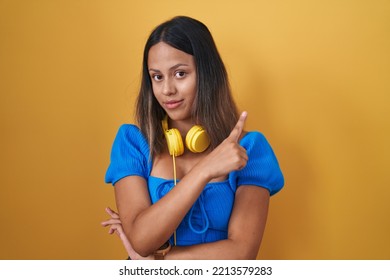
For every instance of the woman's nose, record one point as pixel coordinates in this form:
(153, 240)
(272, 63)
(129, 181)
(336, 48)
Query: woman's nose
(168, 87)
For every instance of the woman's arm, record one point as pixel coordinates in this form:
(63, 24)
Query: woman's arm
(147, 225)
(245, 232)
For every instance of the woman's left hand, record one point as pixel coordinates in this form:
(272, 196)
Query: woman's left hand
(116, 226)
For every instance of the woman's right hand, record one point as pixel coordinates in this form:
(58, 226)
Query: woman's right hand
(116, 226)
(229, 155)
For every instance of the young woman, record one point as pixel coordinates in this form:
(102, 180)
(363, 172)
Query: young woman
(207, 198)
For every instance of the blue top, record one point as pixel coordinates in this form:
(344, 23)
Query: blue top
(208, 219)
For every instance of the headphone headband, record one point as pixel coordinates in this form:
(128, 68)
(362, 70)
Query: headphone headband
(165, 123)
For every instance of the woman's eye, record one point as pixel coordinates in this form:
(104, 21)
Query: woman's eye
(157, 77)
(180, 74)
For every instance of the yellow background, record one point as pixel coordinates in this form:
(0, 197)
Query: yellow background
(313, 75)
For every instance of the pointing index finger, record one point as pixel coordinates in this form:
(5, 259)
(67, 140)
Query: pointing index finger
(236, 132)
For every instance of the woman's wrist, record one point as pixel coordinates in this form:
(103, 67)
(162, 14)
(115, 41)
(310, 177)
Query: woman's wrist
(203, 171)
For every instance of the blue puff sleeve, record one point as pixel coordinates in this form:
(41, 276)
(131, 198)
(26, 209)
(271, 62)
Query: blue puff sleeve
(262, 168)
(129, 155)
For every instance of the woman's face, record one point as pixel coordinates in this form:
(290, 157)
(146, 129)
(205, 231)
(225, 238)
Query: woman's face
(173, 75)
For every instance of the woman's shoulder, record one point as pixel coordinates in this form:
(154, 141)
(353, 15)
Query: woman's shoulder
(257, 145)
(252, 137)
(130, 130)
(129, 154)
(263, 167)
(131, 135)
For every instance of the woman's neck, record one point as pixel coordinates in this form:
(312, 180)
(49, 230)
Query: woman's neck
(183, 126)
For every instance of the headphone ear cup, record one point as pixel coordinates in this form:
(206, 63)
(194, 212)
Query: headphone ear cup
(197, 139)
(174, 142)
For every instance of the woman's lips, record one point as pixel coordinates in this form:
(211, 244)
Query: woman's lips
(173, 104)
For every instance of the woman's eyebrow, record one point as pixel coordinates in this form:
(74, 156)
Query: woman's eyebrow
(173, 67)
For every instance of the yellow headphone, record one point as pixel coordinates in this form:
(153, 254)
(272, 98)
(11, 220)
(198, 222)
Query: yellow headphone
(197, 140)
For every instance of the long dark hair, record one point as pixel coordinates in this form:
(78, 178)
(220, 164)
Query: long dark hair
(213, 108)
